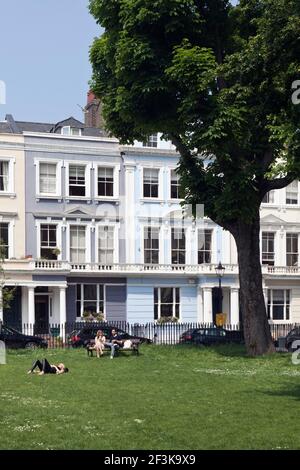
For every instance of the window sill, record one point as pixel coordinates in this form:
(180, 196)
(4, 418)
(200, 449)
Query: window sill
(78, 198)
(281, 322)
(48, 196)
(152, 200)
(175, 201)
(290, 206)
(107, 198)
(10, 195)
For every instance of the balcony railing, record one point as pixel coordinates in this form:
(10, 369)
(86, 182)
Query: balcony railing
(285, 270)
(135, 268)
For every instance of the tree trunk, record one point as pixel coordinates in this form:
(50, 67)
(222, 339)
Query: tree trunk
(257, 333)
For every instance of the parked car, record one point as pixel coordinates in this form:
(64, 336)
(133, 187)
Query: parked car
(84, 335)
(293, 335)
(211, 336)
(14, 339)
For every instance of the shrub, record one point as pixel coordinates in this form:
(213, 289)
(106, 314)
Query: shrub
(163, 320)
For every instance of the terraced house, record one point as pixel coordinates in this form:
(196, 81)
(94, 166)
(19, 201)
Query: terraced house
(89, 226)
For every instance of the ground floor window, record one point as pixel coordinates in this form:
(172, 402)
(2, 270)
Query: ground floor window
(89, 299)
(279, 304)
(166, 302)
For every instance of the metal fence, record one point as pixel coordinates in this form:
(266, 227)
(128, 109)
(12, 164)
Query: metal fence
(62, 335)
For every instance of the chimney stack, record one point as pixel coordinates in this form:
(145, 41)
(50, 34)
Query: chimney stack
(93, 112)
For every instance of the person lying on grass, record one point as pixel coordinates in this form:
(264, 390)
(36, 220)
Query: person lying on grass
(46, 368)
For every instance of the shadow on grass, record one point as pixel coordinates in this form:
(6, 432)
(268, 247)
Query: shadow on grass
(228, 350)
(291, 390)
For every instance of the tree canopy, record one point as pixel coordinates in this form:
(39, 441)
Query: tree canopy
(216, 79)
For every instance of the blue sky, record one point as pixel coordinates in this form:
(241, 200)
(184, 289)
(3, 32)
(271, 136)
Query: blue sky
(44, 57)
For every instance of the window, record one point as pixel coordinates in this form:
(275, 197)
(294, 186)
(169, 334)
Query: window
(151, 245)
(77, 244)
(4, 176)
(279, 304)
(292, 249)
(268, 248)
(48, 178)
(48, 241)
(175, 186)
(178, 246)
(151, 141)
(77, 180)
(105, 181)
(67, 130)
(106, 245)
(269, 198)
(4, 240)
(166, 302)
(75, 131)
(89, 298)
(292, 193)
(151, 177)
(204, 246)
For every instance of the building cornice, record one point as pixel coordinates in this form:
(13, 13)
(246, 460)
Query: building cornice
(130, 151)
(69, 150)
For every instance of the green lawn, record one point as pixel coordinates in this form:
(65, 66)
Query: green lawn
(177, 398)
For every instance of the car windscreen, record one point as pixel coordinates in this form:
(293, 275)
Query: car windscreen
(9, 331)
(215, 332)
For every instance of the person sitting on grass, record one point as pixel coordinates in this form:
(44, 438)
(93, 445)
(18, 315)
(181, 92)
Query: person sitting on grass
(46, 368)
(100, 341)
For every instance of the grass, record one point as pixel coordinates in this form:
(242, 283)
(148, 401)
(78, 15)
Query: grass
(178, 398)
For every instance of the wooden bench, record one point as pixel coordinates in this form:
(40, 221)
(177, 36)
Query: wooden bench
(90, 348)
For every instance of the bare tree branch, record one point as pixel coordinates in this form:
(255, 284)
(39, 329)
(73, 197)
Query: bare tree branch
(279, 183)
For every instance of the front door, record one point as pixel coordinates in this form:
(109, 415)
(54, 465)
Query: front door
(217, 301)
(41, 314)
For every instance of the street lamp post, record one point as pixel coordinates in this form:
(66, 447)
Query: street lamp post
(220, 273)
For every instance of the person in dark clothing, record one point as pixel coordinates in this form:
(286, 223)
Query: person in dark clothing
(116, 342)
(46, 368)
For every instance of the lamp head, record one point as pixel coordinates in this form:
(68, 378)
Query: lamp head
(220, 270)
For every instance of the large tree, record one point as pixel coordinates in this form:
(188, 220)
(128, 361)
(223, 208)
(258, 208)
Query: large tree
(217, 80)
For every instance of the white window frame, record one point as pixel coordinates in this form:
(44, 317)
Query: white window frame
(286, 252)
(270, 292)
(70, 131)
(160, 197)
(160, 241)
(273, 232)
(11, 176)
(184, 229)
(116, 181)
(150, 139)
(97, 301)
(174, 301)
(88, 168)
(172, 200)
(273, 192)
(298, 196)
(58, 236)
(88, 229)
(116, 228)
(11, 227)
(58, 192)
(205, 229)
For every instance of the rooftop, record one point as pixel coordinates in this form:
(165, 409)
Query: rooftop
(10, 126)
